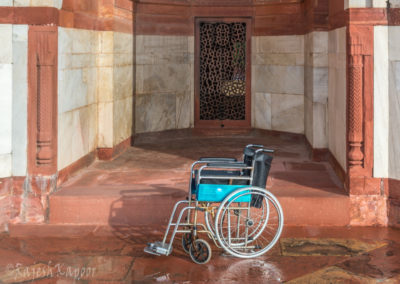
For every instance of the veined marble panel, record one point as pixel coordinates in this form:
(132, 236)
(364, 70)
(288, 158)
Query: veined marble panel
(77, 134)
(155, 112)
(123, 119)
(105, 84)
(162, 78)
(381, 102)
(6, 2)
(308, 119)
(37, 3)
(95, 84)
(164, 73)
(277, 75)
(394, 117)
(337, 95)
(184, 110)
(360, 3)
(279, 79)
(285, 59)
(154, 50)
(320, 125)
(6, 44)
(394, 43)
(5, 120)
(280, 44)
(370, 4)
(320, 84)
(262, 114)
(105, 125)
(287, 113)
(386, 102)
(5, 165)
(77, 51)
(20, 100)
(123, 82)
(76, 88)
(5, 108)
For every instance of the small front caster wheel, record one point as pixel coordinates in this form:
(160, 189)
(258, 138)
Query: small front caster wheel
(187, 239)
(200, 251)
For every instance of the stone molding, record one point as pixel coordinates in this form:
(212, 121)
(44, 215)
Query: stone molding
(91, 15)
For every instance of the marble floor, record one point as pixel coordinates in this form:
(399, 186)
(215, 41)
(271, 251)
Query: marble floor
(303, 255)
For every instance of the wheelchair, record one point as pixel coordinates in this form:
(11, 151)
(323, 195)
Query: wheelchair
(238, 214)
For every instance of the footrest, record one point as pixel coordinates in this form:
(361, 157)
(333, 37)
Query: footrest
(158, 248)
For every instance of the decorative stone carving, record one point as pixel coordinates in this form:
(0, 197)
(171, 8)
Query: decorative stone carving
(42, 81)
(41, 179)
(359, 48)
(355, 109)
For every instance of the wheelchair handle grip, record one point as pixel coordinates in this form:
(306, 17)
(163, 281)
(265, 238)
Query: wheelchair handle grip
(254, 146)
(265, 150)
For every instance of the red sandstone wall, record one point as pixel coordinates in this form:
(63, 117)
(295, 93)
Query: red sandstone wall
(105, 15)
(275, 17)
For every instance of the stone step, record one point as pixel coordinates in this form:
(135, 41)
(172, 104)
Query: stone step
(141, 205)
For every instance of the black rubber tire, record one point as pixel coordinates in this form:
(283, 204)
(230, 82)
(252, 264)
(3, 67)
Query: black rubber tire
(200, 251)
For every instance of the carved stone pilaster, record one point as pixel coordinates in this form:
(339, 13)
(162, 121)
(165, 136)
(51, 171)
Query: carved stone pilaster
(359, 48)
(360, 39)
(355, 111)
(42, 65)
(41, 179)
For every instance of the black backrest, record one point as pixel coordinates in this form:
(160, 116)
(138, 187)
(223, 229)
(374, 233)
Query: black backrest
(248, 155)
(262, 165)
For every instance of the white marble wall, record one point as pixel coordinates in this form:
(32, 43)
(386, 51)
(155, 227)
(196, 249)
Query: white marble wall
(13, 100)
(77, 94)
(387, 102)
(370, 3)
(6, 100)
(381, 102)
(32, 3)
(20, 100)
(337, 95)
(316, 89)
(278, 83)
(94, 91)
(164, 83)
(394, 102)
(123, 87)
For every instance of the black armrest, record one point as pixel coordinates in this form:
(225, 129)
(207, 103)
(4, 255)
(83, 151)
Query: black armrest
(214, 159)
(226, 165)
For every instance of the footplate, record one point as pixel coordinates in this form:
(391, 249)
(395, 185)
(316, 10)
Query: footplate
(158, 248)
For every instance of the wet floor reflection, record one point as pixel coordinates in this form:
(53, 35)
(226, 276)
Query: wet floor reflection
(338, 255)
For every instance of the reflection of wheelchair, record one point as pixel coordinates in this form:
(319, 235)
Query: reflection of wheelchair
(240, 215)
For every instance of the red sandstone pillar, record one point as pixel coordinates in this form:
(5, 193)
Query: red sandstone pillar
(42, 122)
(355, 108)
(360, 109)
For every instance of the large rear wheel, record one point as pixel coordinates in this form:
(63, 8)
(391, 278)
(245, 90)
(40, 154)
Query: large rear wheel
(247, 231)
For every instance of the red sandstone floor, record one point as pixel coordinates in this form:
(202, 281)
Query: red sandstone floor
(303, 255)
(153, 174)
(102, 218)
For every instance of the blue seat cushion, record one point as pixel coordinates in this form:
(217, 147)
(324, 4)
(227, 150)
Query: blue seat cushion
(218, 192)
